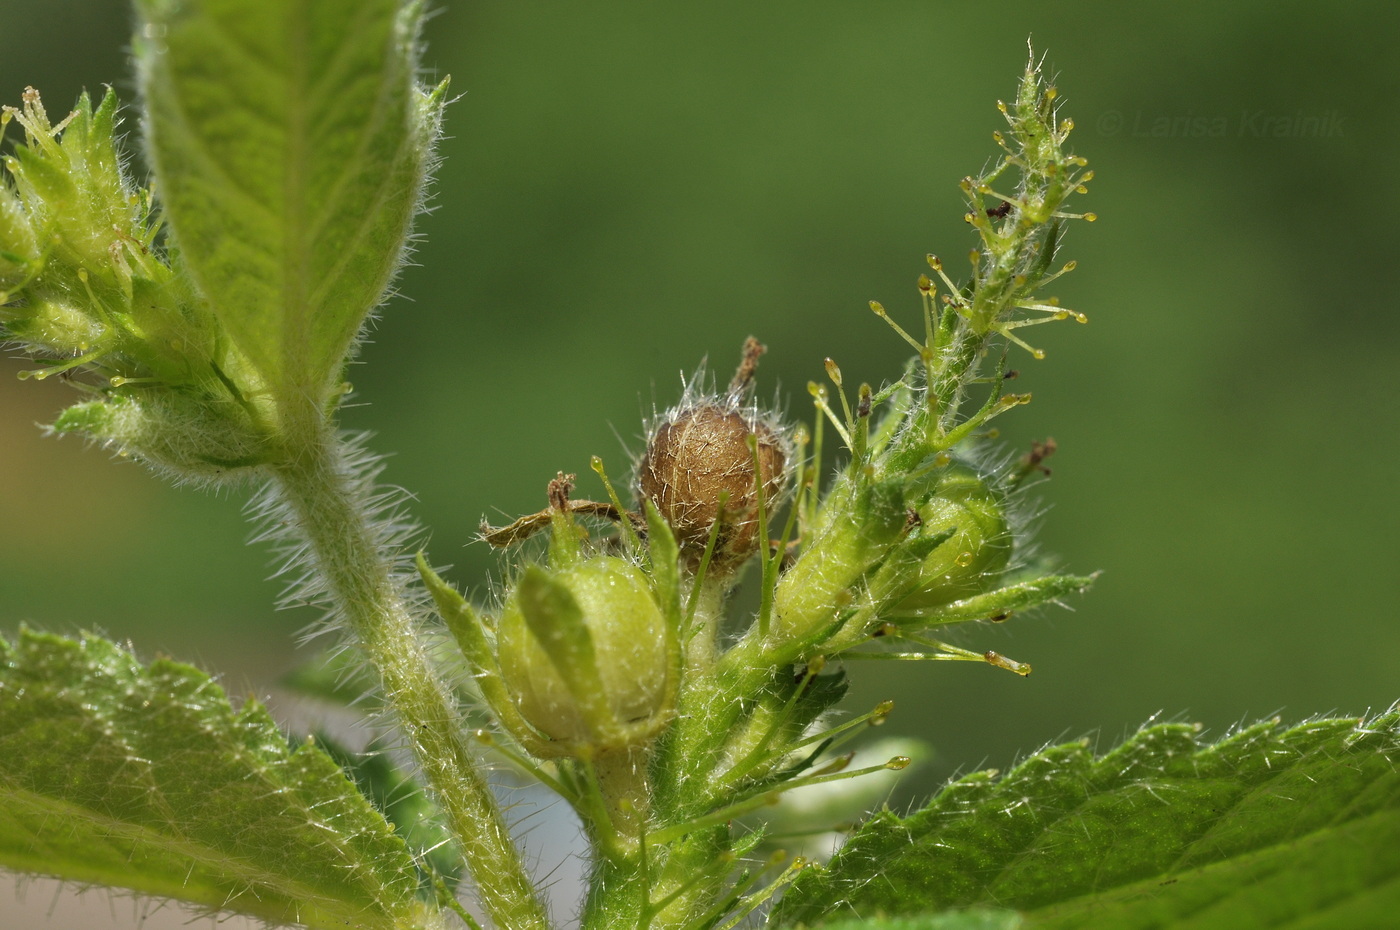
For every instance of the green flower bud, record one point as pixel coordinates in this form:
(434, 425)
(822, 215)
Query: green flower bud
(584, 654)
(970, 561)
(69, 194)
(861, 522)
(181, 434)
(85, 290)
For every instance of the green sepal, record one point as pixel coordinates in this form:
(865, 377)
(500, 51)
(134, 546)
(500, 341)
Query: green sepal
(469, 633)
(896, 405)
(586, 655)
(664, 562)
(556, 622)
(461, 618)
(19, 251)
(896, 576)
(664, 555)
(567, 539)
(781, 715)
(968, 504)
(1020, 596)
(1044, 259)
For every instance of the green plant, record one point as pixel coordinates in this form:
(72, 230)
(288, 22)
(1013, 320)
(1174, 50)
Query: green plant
(291, 143)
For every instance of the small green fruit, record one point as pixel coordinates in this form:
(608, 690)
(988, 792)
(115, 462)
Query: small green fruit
(865, 521)
(970, 561)
(583, 652)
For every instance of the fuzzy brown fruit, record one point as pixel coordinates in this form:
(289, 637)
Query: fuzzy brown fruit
(698, 467)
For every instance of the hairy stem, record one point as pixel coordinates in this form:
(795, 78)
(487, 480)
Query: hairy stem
(330, 507)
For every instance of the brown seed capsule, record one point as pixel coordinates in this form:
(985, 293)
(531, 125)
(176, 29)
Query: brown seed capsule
(699, 461)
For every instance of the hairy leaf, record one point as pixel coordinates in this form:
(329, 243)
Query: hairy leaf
(291, 142)
(146, 778)
(1265, 828)
(402, 799)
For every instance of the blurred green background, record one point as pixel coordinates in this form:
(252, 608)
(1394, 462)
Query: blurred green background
(631, 187)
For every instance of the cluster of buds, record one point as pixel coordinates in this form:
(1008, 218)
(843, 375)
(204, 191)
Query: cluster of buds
(582, 658)
(203, 348)
(914, 534)
(614, 660)
(84, 288)
(902, 554)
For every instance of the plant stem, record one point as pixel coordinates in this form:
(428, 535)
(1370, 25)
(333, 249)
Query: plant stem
(681, 877)
(330, 504)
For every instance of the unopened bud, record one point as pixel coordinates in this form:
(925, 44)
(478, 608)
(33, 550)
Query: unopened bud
(972, 559)
(583, 653)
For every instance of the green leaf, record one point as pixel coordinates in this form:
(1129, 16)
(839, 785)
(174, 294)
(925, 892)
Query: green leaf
(402, 799)
(290, 141)
(1265, 828)
(146, 778)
